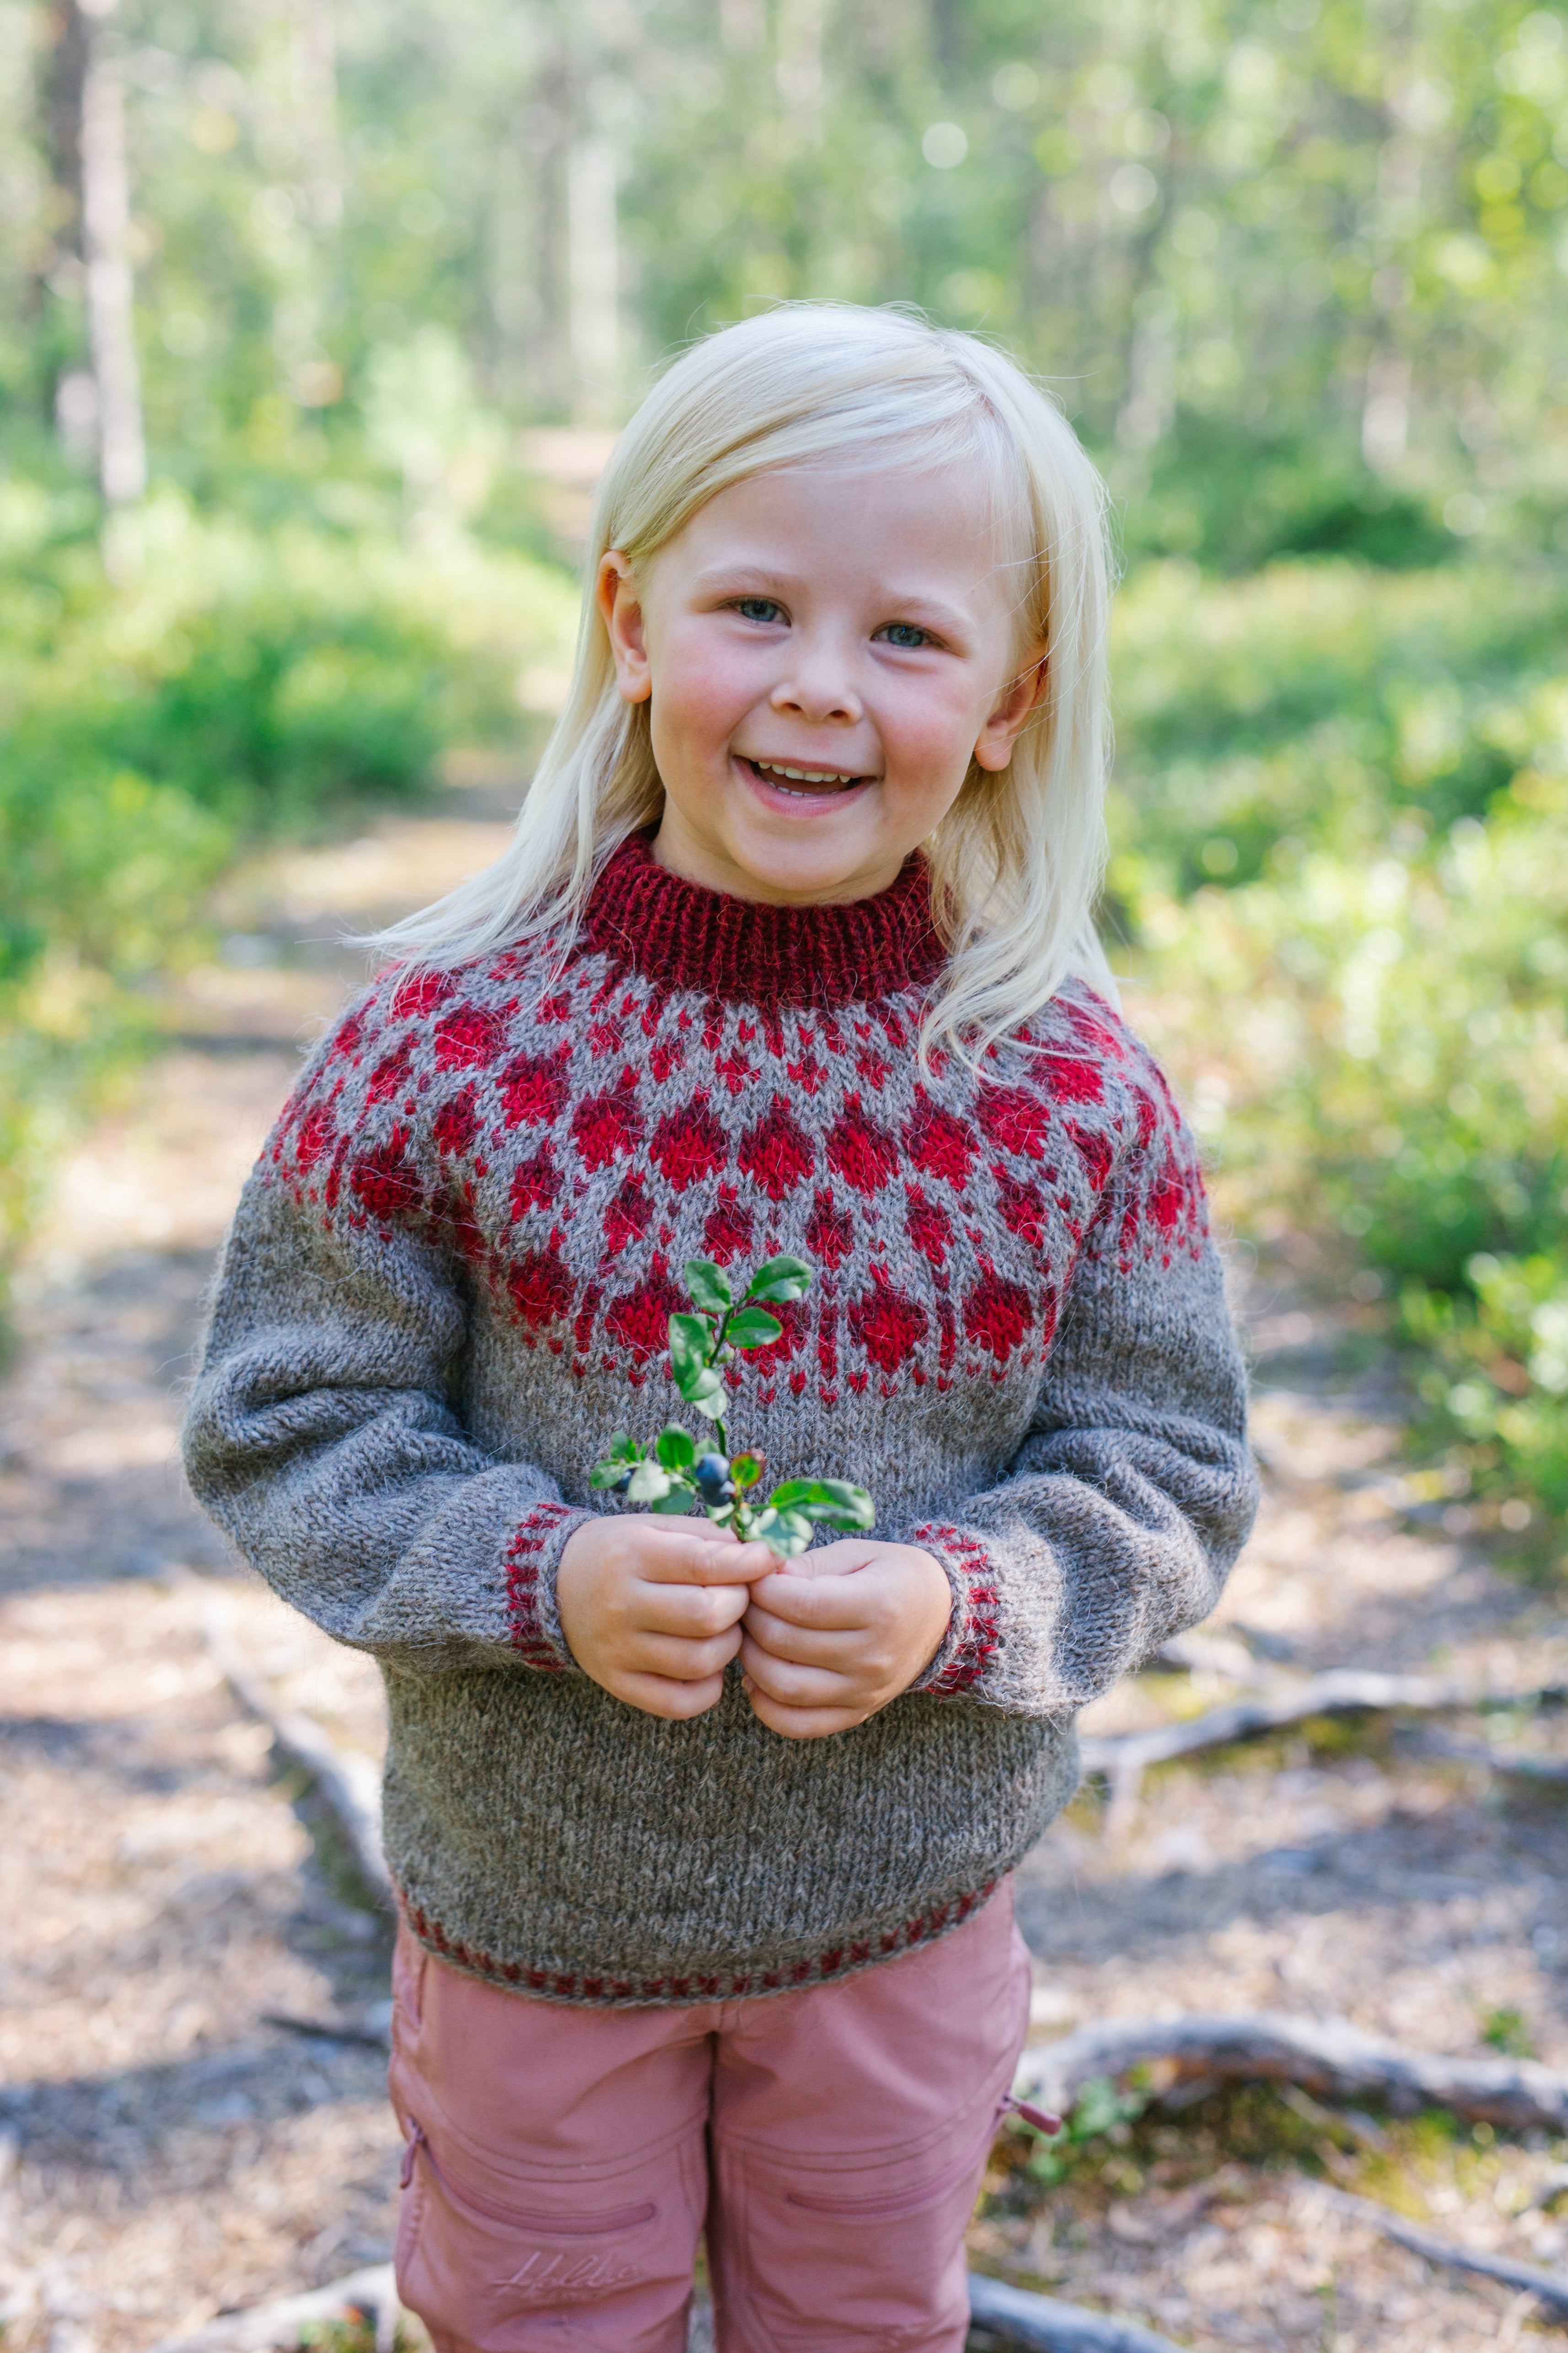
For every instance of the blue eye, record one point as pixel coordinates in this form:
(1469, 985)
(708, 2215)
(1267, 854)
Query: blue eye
(757, 608)
(905, 633)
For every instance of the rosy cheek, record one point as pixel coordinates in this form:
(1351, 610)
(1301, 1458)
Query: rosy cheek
(923, 739)
(706, 692)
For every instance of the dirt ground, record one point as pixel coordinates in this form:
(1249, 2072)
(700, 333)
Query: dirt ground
(174, 1912)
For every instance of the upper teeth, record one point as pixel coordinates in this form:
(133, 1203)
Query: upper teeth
(805, 776)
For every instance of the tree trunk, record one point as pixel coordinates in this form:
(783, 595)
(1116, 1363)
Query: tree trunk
(799, 70)
(313, 92)
(110, 310)
(592, 267)
(66, 385)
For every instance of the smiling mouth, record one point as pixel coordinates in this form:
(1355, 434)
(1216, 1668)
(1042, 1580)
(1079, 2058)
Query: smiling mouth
(803, 784)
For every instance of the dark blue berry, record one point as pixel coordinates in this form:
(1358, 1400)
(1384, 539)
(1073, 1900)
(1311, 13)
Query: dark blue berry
(714, 1483)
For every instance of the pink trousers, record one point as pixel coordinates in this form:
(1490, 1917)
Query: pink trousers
(562, 2163)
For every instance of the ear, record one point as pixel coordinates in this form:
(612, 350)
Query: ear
(620, 602)
(1020, 697)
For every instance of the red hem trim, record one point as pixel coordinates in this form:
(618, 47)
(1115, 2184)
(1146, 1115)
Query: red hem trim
(606, 1991)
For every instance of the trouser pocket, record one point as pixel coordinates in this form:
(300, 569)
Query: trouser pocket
(501, 2265)
(864, 2257)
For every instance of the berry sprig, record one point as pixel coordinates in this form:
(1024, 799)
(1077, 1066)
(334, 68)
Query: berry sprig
(677, 1469)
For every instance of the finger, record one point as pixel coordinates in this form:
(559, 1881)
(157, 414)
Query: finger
(662, 1695)
(840, 1558)
(837, 1603)
(805, 1722)
(696, 1559)
(808, 1646)
(682, 1662)
(796, 1685)
(693, 1611)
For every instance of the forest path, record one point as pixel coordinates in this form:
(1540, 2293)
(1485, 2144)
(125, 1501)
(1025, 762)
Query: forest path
(167, 1894)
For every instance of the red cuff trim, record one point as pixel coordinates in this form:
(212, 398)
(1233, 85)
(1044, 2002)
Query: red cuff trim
(525, 1560)
(978, 1632)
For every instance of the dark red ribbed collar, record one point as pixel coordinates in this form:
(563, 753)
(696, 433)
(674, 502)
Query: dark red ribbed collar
(683, 937)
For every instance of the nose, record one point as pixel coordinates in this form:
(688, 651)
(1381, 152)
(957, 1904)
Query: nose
(819, 685)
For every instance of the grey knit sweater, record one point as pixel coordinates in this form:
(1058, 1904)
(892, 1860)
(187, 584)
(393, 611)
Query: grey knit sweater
(447, 1285)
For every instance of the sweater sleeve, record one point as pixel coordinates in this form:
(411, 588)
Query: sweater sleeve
(1134, 1489)
(322, 1438)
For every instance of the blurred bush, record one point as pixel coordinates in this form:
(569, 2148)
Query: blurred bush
(183, 689)
(1317, 705)
(1343, 868)
(1495, 1378)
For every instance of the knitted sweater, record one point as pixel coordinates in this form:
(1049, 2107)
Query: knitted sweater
(447, 1285)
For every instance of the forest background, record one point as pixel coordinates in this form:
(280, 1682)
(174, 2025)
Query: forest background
(314, 322)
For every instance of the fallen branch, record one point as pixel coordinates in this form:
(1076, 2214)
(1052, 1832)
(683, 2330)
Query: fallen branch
(1328, 2057)
(374, 2028)
(1014, 2317)
(1549, 2287)
(349, 1783)
(279, 2327)
(1011, 2315)
(1515, 1764)
(1125, 1757)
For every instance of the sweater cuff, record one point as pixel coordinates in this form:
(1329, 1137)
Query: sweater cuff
(532, 1558)
(972, 1634)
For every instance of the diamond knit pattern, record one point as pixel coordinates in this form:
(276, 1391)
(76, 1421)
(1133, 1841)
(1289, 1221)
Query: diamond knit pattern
(449, 1283)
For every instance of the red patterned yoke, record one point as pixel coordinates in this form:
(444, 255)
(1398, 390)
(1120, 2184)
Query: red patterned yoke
(450, 1283)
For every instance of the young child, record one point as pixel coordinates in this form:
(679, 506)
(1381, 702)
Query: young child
(703, 1860)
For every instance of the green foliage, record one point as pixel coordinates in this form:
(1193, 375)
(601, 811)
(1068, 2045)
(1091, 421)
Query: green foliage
(1508, 2031)
(677, 1472)
(1301, 283)
(1293, 280)
(1371, 1019)
(1099, 2123)
(205, 687)
(1323, 707)
(1494, 1378)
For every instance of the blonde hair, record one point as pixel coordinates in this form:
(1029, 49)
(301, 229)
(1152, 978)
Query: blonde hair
(1016, 863)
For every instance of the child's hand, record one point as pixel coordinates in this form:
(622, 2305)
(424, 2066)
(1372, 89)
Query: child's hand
(839, 1632)
(651, 1607)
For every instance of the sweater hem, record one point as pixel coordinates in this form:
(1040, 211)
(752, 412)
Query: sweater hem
(612, 1989)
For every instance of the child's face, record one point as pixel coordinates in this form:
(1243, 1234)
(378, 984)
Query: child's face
(856, 624)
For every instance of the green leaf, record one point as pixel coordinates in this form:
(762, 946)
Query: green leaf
(611, 1470)
(786, 1531)
(712, 1397)
(793, 1493)
(754, 1328)
(780, 1278)
(834, 1501)
(691, 1348)
(676, 1447)
(678, 1499)
(708, 1285)
(746, 1469)
(648, 1483)
(844, 1506)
